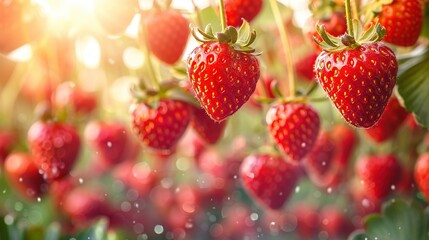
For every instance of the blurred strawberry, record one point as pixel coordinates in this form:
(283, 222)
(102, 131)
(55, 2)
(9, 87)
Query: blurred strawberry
(406, 184)
(308, 221)
(363, 203)
(55, 147)
(334, 24)
(335, 223)
(390, 122)
(319, 163)
(70, 95)
(162, 126)
(59, 188)
(208, 129)
(421, 174)
(378, 174)
(304, 67)
(115, 16)
(294, 127)
(20, 22)
(166, 33)
(346, 141)
(237, 10)
(109, 140)
(7, 141)
(279, 222)
(264, 89)
(269, 179)
(24, 175)
(236, 223)
(138, 176)
(84, 206)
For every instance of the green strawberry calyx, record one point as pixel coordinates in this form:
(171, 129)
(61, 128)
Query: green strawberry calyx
(373, 8)
(329, 43)
(240, 39)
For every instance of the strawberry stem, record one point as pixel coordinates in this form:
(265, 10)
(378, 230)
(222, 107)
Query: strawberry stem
(222, 15)
(355, 9)
(148, 57)
(349, 18)
(198, 13)
(287, 50)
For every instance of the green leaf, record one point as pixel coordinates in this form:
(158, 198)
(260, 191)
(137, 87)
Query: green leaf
(425, 31)
(98, 231)
(53, 232)
(413, 85)
(399, 220)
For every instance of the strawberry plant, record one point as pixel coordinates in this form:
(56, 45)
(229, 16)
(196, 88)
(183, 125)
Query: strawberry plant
(214, 119)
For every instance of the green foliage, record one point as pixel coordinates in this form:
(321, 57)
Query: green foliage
(399, 220)
(413, 83)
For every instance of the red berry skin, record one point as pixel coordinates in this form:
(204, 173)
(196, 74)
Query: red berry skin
(109, 140)
(70, 95)
(166, 33)
(403, 20)
(305, 67)
(24, 175)
(162, 126)
(390, 122)
(335, 223)
(346, 141)
(55, 147)
(359, 81)
(421, 174)
(294, 128)
(236, 10)
(308, 221)
(137, 176)
(378, 173)
(336, 25)
(7, 141)
(319, 163)
(208, 129)
(223, 79)
(269, 179)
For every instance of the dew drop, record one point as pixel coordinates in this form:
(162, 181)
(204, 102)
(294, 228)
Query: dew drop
(158, 229)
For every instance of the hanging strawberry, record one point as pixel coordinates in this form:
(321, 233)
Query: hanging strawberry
(223, 70)
(357, 71)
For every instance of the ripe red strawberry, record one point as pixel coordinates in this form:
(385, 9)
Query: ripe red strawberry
(24, 175)
(378, 173)
(336, 25)
(236, 10)
(335, 223)
(403, 20)
(421, 174)
(109, 140)
(305, 67)
(308, 221)
(208, 129)
(270, 179)
(55, 147)
(346, 141)
(7, 141)
(166, 33)
(359, 81)
(319, 163)
(137, 176)
(222, 78)
(115, 16)
(70, 95)
(162, 126)
(264, 90)
(390, 121)
(294, 127)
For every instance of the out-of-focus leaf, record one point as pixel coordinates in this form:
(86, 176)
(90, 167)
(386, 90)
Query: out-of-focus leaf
(413, 84)
(10, 231)
(98, 231)
(53, 232)
(399, 220)
(425, 31)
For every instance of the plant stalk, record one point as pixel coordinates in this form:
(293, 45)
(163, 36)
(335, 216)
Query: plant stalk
(349, 17)
(222, 14)
(287, 50)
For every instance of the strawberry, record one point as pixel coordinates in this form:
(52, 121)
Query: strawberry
(237, 10)
(109, 140)
(334, 24)
(69, 95)
(264, 90)
(359, 81)
(346, 141)
(115, 16)
(304, 67)
(378, 174)
(166, 32)
(390, 121)
(162, 126)
(421, 174)
(294, 127)
(269, 179)
(403, 20)
(7, 141)
(208, 129)
(335, 223)
(319, 163)
(222, 70)
(24, 175)
(55, 147)
(137, 176)
(308, 221)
